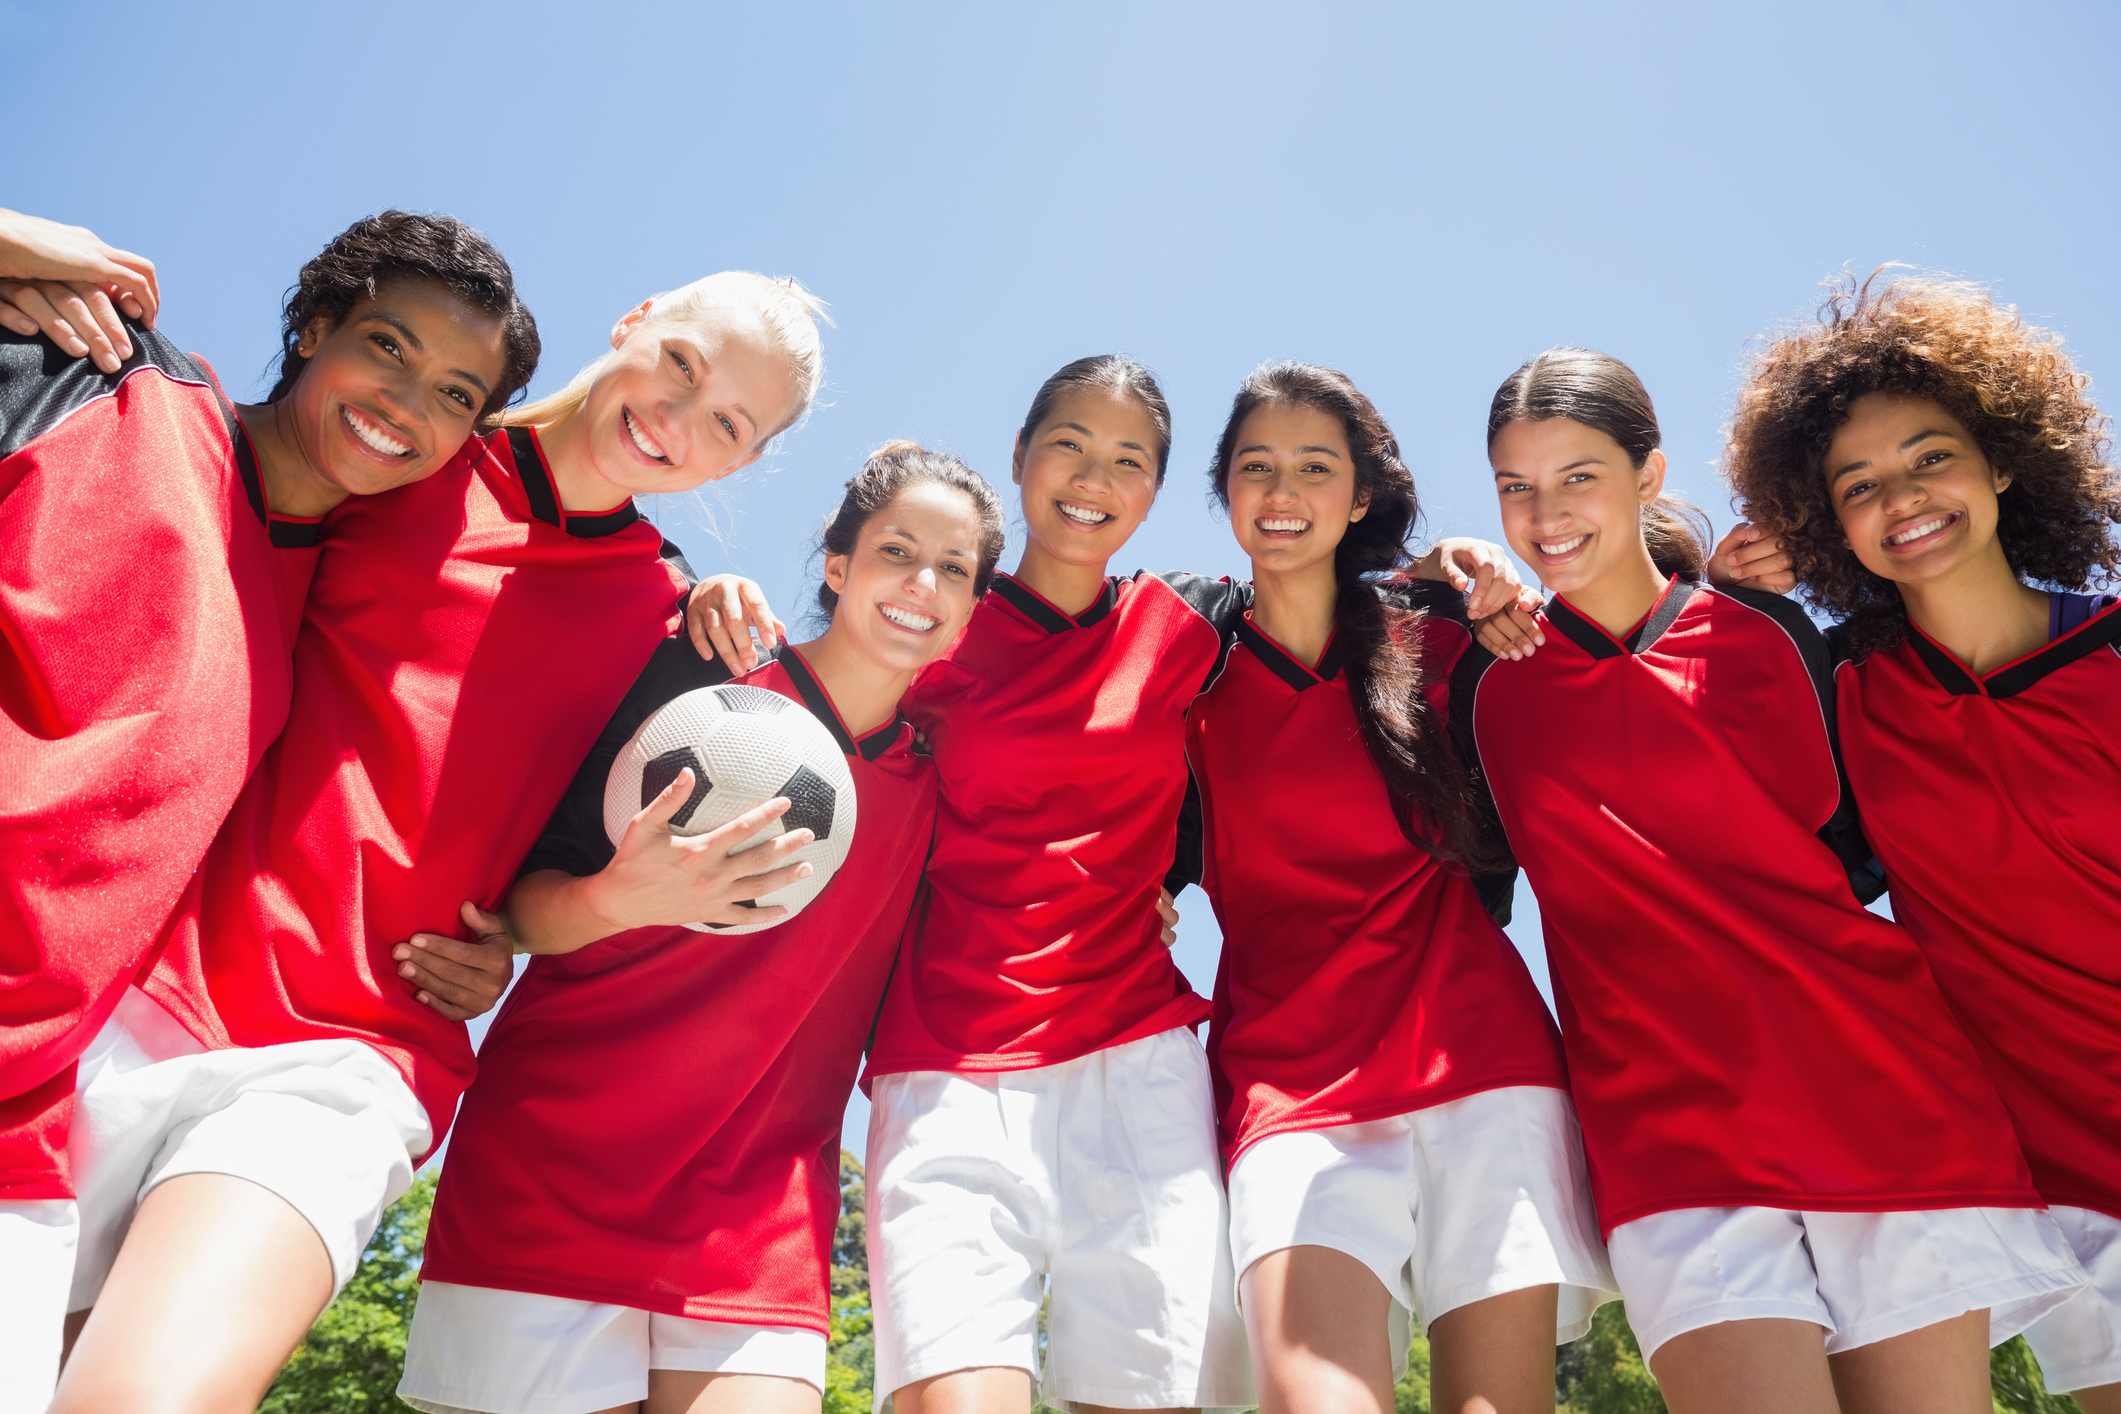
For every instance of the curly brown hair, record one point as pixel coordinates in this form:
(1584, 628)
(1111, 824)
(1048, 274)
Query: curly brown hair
(2008, 384)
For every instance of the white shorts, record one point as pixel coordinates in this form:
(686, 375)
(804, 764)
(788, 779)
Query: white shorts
(330, 1126)
(37, 1239)
(1101, 1173)
(1447, 1205)
(2078, 1344)
(1863, 1277)
(516, 1352)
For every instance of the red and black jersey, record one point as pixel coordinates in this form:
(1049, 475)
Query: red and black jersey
(143, 670)
(656, 1121)
(1740, 1030)
(1994, 801)
(465, 641)
(1061, 745)
(1360, 977)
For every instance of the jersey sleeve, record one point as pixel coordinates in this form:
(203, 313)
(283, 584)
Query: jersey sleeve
(1188, 860)
(1222, 602)
(574, 841)
(1497, 889)
(1822, 654)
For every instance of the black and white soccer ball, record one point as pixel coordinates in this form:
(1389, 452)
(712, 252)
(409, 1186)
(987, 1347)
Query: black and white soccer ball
(745, 746)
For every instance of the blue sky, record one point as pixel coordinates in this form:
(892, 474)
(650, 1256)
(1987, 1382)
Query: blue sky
(1422, 196)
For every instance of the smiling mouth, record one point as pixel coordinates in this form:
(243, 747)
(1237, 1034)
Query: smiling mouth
(1083, 515)
(372, 435)
(1921, 530)
(1555, 549)
(907, 619)
(1282, 525)
(641, 440)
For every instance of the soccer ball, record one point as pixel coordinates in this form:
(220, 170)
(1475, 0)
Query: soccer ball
(745, 746)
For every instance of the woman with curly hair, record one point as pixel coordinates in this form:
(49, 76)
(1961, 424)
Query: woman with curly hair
(1929, 461)
(1811, 1193)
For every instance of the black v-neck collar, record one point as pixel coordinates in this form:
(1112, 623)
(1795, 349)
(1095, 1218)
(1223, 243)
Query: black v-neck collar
(2101, 630)
(1041, 610)
(1279, 661)
(545, 498)
(870, 745)
(1586, 634)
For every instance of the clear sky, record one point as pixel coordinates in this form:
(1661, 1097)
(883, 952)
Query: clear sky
(1420, 195)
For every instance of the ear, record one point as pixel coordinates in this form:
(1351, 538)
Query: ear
(2001, 477)
(836, 573)
(1016, 461)
(1360, 509)
(314, 333)
(1649, 482)
(630, 321)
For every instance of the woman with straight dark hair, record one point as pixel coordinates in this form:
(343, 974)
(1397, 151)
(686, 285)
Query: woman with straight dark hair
(1810, 1190)
(1393, 1103)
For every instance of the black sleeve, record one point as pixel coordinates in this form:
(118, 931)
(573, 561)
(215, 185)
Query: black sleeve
(1187, 860)
(1822, 654)
(574, 841)
(40, 386)
(1222, 602)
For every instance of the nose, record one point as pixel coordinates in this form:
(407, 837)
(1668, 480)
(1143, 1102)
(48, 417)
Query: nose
(1902, 492)
(1282, 491)
(921, 583)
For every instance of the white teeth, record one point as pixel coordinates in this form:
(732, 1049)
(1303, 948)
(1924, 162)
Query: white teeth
(1082, 515)
(1282, 523)
(640, 438)
(906, 618)
(1916, 532)
(1560, 547)
(374, 436)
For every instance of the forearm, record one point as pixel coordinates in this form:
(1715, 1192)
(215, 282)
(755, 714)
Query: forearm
(551, 911)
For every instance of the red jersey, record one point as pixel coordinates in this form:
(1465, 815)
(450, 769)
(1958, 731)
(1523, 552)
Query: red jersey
(143, 670)
(1995, 803)
(1061, 746)
(1740, 1030)
(657, 1117)
(1360, 977)
(465, 641)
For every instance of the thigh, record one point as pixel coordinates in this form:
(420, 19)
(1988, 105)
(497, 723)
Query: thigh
(1495, 1355)
(1318, 1321)
(1143, 1311)
(1770, 1363)
(217, 1281)
(960, 1217)
(699, 1392)
(992, 1389)
(1502, 1203)
(1941, 1368)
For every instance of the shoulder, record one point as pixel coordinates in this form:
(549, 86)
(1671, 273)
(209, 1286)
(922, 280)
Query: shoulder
(40, 388)
(1220, 601)
(1786, 613)
(1430, 597)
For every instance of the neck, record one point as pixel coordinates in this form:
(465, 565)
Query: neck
(582, 489)
(293, 486)
(1980, 612)
(1623, 596)
(865, 691)
(1067, 587)
(1295, 608)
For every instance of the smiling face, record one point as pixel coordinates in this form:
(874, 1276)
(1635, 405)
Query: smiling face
(906, 589)
(1915, 495)
(682, 402)
(1571, 500)
(1088, 474)
(1291, 488)
(391, 391)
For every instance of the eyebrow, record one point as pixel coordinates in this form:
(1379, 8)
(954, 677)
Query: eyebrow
(1300, 451)
(902, 532)
(414, 339)
(1924, 435)
(1580, 461)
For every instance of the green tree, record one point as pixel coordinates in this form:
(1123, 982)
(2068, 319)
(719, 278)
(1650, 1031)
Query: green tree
(351, 1360)
(1411, 1394)
(2014, 1382)
(1604, 1373)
